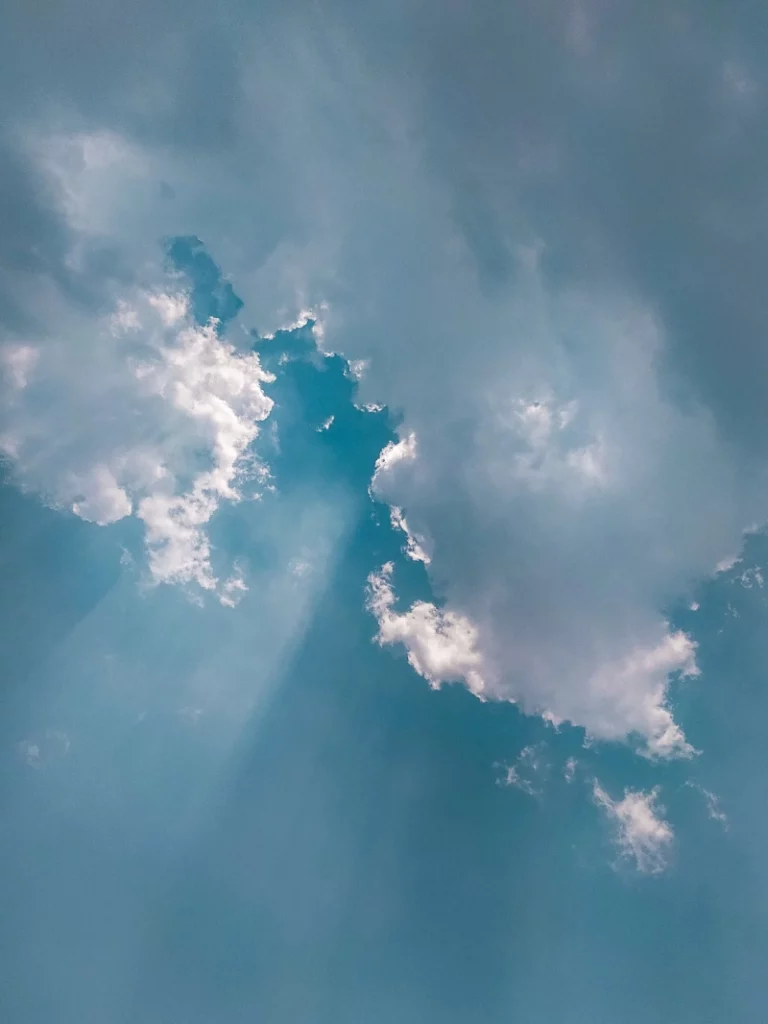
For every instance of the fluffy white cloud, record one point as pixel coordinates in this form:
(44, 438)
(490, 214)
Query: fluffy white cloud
(569, 769)
(103, 500)
(141, 412)
(642, 834)
(441, 646)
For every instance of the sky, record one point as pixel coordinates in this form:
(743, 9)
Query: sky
(383, 507)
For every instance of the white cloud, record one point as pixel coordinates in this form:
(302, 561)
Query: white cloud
(526, 771)
(715, 811)
(726, 564)
(544, 457)
(441, 646)
(18, 362)
(511, 777)
(629, 696)
(172, 308)
(357, 368)
(103, 501)
(752, 578)
(142, 413)
(393, 453)
(303, 317)
(414, 546)
(642, 834)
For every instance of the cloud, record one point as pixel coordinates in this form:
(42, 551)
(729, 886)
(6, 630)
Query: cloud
(712, 801)
(552, 283)
(641, 832)
(414, 548)
(612, 675)
(556, 486)
(17, 362)
(140, 412)
(524, 773)
(441, 646)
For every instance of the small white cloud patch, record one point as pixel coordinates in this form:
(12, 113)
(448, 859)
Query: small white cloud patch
(642, 834)
(752, 578)
(726, 564)
(715, 811)
(525, 772)
(357, 368)
(233, 589)
(103, 500)
(395, 452)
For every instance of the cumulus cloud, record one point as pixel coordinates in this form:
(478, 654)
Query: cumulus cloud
(140, 412)
(641, 833)
(441, 646)
(557, 496)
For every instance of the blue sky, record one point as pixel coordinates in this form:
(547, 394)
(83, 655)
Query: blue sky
(383, 515)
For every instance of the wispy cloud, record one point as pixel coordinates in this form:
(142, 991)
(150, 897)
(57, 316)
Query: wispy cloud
(641, 833)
